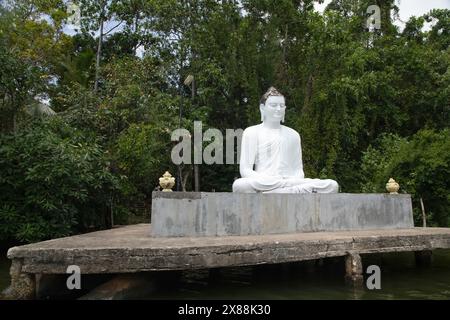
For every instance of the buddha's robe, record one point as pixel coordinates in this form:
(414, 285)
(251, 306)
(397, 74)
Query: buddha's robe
(271, 162)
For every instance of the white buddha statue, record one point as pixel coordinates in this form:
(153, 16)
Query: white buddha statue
(271, 155)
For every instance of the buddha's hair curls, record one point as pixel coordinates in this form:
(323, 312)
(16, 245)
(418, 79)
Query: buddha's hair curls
(272, 91)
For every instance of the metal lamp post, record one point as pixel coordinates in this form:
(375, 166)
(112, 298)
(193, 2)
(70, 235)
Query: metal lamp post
(190, 80)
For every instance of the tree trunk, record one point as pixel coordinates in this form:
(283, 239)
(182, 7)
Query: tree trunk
(196, 178)
(308, 93)
(99, 51)
(185, 179)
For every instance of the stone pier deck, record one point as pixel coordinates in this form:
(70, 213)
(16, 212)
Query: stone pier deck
(131, 249)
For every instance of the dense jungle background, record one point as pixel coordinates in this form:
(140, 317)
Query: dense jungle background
(86, 116)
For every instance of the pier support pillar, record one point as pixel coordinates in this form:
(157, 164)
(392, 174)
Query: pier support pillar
(423, 258)
(353, 269)
(23, 285)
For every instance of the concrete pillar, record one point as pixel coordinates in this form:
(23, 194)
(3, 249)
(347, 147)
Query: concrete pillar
(23, 285)
(353, 269)
(423, 258)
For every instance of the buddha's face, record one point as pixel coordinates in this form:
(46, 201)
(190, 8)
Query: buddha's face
(274, 109)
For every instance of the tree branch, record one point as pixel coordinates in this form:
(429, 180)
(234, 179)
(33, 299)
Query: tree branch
(113, 28)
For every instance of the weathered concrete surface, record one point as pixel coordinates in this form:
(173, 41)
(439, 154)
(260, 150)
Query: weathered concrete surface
(23, 285)
(215, 213)
(132, 249)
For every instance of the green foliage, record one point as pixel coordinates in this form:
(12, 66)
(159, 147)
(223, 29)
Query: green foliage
(53, 182)
(421, 165)
(376, 162)
(367, 105)
(142, 152)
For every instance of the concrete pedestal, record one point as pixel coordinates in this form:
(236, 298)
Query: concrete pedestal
(192, 214)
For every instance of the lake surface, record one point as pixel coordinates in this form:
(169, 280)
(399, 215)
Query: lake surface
(400, 279)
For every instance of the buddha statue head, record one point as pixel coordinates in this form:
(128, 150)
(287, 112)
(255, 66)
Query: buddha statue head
(272, 106)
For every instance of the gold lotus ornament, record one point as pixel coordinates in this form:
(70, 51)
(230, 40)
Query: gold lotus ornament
(392, 186)
(167, 182)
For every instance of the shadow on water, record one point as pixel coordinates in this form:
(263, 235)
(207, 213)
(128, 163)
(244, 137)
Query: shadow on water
(5, 263)
(320, 279)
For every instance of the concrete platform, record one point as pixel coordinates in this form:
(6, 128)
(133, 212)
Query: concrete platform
(181, 214)
(131, 249)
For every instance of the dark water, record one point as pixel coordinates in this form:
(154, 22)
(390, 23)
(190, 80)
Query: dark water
(400, 279)
(4, 271)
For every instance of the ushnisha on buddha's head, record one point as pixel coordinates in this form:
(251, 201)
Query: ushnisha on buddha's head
(272, 106)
